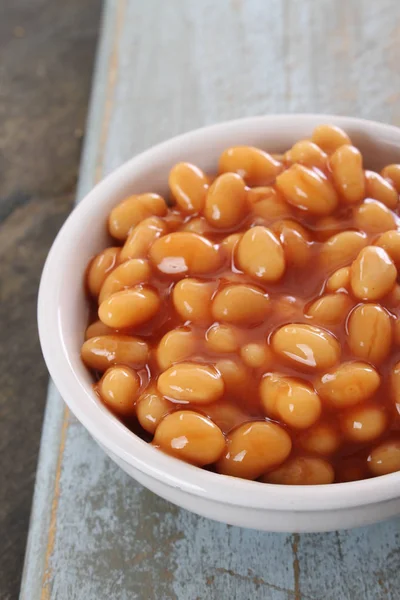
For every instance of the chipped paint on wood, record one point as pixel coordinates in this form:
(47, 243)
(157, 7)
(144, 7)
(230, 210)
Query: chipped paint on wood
(163, 68)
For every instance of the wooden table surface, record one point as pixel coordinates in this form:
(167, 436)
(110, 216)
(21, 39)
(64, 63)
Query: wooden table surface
(164, 68)
(47, 51)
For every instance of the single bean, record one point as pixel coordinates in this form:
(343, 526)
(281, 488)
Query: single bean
(380, 189)
(103, 351)
(370, 333)
(330, 137)
(254, 165)
(185, 253)
(372, 274)
(307, 153)
(175, 346)
(128, 274)
(374, 217)
(260, 254)
(347, 171)
(241, 305)
(302, 470)
(151, 407)
(226, 201)
(188, 185)
(291, 400)
(364, 423)
(308, 190)
(129, 308)
(118, 389)
(349, 384)
(191, 437)
(141, 238)
(192, 299)
(100, 267)
(253, 448)
(305, 345)
(131, 211)
(385, 458)
(392, 174)
(191, 382)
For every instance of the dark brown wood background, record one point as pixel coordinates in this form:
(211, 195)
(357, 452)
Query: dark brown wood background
(47, 50)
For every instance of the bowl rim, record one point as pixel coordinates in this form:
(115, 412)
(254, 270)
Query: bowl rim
(114, 436)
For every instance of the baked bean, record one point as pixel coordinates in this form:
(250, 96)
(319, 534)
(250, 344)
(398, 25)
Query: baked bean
(342, 248)
(291, 400)
(287, 308)
(372, 274)
(100, 267)
(226, 201)
(302, 470)
(129, 308)
(254, 165)
(307, 190)
(380, 189)
(241, 305)
(260, 254)
(128, 274)
(267, 203)
(229, 244)
(256, 356)
(347, 171)
(385, 458)
(188, 185)
(151, 407)
(295, 241)
(142, 237)
(175, 346)
(98, 328)
(374, 217)
(254, 448)
(185, 253)
(390, 241)
(321, 438)
(305, 345)
(190, 436)
(222, 338)
(370, 333)
(339, 280)
(349, 384)
(364, 423)
(118, 389)
(330, 137)
(235, 376)
(198, 225)
(131, 211)
(191, 382)
(392, 173)
(307, 153)
(225, 415)
(103, 351)
(192, 299)
(330, 309)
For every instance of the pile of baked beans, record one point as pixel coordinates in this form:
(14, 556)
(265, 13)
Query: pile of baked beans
(250, 323)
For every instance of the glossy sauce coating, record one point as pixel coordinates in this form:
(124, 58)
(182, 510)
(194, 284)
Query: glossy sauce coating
(250, 323)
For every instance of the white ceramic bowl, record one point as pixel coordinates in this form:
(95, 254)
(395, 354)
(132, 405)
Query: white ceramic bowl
(62, 315)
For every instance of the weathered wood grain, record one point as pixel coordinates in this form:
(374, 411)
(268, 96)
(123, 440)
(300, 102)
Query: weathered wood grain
(163, 68)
